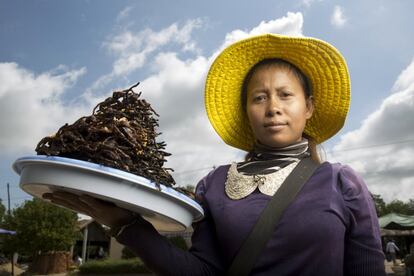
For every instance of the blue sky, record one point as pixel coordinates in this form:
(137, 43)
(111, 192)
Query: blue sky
(58, 59)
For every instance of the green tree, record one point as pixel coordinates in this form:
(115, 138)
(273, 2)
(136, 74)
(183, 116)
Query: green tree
(395, 206)
(398, 206)
(411, 207)
(40, 227)
(2, 211)
(379, 205)
(190, 188)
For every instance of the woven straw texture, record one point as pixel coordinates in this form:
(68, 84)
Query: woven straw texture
(319, 61)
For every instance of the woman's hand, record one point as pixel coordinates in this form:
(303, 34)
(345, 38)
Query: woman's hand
(102, 211)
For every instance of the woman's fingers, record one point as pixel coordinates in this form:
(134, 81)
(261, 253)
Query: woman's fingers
(112, 214)
(71, 201)
(71, 206)
(104, 212)
(78, 200)
(97, 203)
(47, 195)
(68, 204)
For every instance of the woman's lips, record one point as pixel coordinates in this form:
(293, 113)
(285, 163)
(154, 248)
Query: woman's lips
(275, 126)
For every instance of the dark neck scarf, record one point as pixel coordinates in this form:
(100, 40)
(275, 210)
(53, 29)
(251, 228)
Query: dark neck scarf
(267, 160)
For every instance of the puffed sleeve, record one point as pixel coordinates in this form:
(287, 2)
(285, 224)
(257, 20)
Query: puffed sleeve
(363, 250)
(163, 258)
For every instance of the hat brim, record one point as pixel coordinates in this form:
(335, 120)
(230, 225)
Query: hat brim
(319, 61)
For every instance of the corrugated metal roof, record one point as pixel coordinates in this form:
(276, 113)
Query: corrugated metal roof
(395, 221)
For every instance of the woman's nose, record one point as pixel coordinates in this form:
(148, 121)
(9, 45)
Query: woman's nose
(273, 108)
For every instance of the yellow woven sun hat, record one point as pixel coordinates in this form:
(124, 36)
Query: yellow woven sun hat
(322, 63)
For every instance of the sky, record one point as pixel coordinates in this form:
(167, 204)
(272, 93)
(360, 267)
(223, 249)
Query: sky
(58, 59)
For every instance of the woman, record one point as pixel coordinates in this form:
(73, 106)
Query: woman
(275, 97)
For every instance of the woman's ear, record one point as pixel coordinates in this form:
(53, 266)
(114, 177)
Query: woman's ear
(309, 107)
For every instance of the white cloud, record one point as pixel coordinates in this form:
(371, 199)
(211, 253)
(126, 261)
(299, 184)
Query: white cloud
(126, 41)
(124, 14)
(291, 24)
(129, 63)
(132, 49)
(405, 79)
(338, 18)
(308, 3)
(31, 105)
(387, 167)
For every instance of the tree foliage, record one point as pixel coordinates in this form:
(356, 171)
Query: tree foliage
(379, 204)
(400, 207)
(395, 206)
(2, 211)
(40, 227)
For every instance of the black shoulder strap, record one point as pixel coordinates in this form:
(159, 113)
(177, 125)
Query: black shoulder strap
(264, 228)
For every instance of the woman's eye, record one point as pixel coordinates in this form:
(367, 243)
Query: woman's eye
(259, 98)
(285, 94)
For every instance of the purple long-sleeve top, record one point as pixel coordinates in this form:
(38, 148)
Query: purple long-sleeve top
(331, 228)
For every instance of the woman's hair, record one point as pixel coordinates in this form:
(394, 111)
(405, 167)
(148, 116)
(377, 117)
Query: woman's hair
(315, 149)
(303, 80)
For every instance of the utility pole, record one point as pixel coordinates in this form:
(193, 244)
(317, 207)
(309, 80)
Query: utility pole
(85, 243)
(8, 197)
(8, 211)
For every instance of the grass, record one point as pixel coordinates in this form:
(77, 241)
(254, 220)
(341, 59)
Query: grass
(130, 266)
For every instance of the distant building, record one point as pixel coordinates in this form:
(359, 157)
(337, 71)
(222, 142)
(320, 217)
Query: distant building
(93, 237)
(400, 228)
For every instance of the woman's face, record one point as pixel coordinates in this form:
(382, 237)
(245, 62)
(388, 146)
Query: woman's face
(276, 106)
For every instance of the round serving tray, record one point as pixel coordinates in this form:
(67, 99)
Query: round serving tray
(167, 209)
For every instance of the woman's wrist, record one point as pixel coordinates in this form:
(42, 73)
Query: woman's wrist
(118, 227)
(122, 220)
